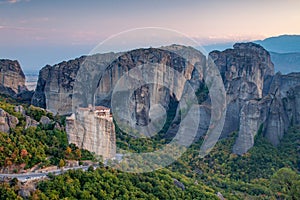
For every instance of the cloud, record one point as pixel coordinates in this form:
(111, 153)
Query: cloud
(34, 20)
(12, 1)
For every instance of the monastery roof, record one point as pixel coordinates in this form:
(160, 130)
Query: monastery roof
(96, 108)
(101, 108)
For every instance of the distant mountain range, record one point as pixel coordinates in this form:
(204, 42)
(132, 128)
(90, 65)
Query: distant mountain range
(284, 50)
(281, 44)
(286, 62)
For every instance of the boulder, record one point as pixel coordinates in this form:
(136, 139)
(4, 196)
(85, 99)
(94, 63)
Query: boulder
(30, 122)
(45, 120)
(179, 184)
(19, 109)
(7, 121)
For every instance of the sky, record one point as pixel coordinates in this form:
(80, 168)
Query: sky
(39, 32)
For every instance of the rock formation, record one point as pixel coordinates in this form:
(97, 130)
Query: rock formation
(45, 120)
(132, 59)
(77, 80)
(142, 106)
(243, 69)
(12, 78)
(93, 129)
(7, 121)
(255, 96)
(30, 122)
(275, 112)
(55, 84)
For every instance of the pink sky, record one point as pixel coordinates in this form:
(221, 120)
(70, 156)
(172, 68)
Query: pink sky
(28, 23)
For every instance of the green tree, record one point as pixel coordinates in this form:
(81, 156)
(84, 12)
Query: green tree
(286, 183)
(61, 163)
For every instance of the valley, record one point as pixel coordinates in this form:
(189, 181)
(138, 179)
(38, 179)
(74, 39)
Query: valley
(258, 144)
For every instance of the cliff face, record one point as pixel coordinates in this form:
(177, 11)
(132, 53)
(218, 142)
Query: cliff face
(243, 69)
(157, 65)
(92, 130)
(255, 96)
(285, 105)
(77, 80)
(12, 78)
(55, 86)
(247, 61)
(275, 112)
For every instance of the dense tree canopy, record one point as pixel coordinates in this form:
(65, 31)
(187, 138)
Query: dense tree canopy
(265, 172)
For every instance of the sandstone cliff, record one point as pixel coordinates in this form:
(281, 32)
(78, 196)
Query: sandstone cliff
(55, 86)
(12, 78)
(275, 112)
(93, 130)
(255, 96)
(77, 80)
(244, 69)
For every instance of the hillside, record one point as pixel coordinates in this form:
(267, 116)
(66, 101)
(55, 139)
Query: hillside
(257, 156)
(281, 44)
(285, 52)
(265, 172)
(286, 62)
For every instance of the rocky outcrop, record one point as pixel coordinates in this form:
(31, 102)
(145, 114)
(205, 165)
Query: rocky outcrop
(252, 115)
(55, 86)
(76, 81)
(93, 130)
(285, 109)
(248, 61)
(30, 122)
(243, 69)
(45, 120)
(20, 109)
(292, 104)
(156, 76)
(255, 96)
(142, 106)
(12, 78)
(24, 96)
(276, 123)
(275, 112)
(7, 121)
(204, 121)
(178, 184)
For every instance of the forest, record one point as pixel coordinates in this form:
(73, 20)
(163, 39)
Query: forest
(265, 172)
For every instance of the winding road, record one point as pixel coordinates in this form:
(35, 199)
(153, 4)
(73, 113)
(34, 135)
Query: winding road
(37, 175)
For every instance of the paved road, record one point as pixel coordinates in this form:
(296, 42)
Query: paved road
(38, 175)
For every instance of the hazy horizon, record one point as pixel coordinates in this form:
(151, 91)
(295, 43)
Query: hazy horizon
(37, 33)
